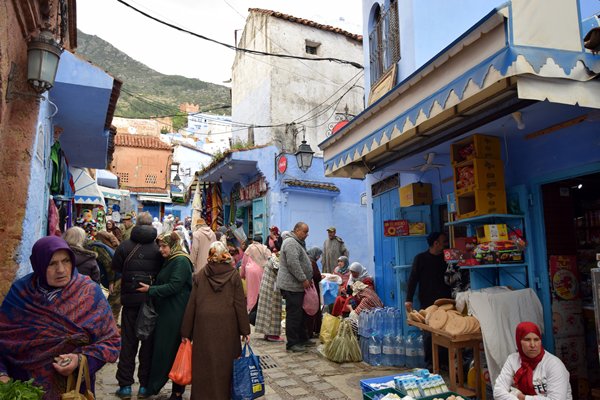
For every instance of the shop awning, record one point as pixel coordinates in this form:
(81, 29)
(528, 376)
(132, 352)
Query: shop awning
(155, 198)
(107, 179)
(86, 189)
(85, 97)
(494, 69)
(229, 170)
(113, 194)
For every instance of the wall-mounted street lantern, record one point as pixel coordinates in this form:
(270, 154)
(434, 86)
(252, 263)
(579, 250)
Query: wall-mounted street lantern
(43, 54)
(304, 156)
(176, 180)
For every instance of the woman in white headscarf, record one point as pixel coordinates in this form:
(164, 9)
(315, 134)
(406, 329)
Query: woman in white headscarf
(358, 273)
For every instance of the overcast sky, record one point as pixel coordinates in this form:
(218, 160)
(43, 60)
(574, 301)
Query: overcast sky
(171, 52)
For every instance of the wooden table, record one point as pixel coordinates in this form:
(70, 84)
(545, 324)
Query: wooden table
(455, 345)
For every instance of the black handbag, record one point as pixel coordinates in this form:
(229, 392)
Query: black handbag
(146, 320)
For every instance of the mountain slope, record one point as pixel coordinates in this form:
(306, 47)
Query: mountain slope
(146, 92)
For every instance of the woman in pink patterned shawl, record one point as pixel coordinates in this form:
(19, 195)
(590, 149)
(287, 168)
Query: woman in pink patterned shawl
(53, 315)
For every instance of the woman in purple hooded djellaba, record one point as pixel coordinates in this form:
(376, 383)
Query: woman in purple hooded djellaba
(51, 315)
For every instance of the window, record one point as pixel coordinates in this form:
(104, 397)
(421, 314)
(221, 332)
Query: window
(312, 47)
(123, 177)
(384, 41)
(151, 179)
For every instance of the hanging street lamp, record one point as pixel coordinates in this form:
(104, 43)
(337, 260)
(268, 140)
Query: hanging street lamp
(304, 156)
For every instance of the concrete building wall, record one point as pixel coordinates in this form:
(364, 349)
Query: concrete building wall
(20, 19)
(36, 213)
(141, 167)
(274, 91)
(250, 87)
(190, 161)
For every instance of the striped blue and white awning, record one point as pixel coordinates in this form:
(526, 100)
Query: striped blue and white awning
(485, 65)
(86, 189)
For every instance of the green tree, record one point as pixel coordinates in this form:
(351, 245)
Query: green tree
(180, 121)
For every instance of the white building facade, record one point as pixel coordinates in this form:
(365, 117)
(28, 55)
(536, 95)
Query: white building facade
(276, 92)
(212, 133)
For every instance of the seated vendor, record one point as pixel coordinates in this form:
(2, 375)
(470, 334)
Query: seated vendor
(532, 372)
(365, 297)
(343, 272)
(358, 273)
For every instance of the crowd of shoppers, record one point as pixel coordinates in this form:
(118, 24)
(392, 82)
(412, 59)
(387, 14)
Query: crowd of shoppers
(201, 298)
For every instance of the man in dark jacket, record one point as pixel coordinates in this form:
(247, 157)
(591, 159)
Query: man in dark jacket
(138, 259)
(428, 272)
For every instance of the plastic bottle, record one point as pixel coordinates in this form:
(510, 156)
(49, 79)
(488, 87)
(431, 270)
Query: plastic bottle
(411, 351)
(374, 350)
(400, 359)
(420, 351)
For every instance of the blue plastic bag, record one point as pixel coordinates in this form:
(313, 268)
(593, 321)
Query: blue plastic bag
(330, 291)
(248, 382)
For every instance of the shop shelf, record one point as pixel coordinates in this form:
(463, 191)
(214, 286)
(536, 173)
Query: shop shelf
(484, 147)
(487, 175)
(480, 202)
(484, 266)
(487, 218)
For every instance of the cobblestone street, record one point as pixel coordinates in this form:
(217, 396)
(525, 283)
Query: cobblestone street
(306, 376)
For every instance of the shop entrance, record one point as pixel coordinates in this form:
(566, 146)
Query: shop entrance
(572, 225)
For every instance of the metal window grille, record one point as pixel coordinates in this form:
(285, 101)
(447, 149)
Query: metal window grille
(384, 42)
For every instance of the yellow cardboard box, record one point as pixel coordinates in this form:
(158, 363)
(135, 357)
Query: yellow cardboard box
(415, 194)
(492, 233)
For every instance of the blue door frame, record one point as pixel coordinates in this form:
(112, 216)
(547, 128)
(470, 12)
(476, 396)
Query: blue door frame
(542, 279)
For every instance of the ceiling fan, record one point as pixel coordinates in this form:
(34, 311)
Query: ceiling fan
(429, 157)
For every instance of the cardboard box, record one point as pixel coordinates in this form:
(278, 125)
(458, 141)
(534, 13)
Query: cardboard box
(475, 146)
(417, 228)
(415, 194)
(396, 227)
(492, 233)
(465, 244)
(481, 202)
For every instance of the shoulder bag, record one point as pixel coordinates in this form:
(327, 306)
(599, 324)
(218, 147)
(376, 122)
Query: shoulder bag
(73, 391)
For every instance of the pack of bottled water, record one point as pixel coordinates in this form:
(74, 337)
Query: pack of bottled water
(382, 341)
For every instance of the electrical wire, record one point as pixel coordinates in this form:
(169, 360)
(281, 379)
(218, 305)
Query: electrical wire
(333, 94)
(257, 52)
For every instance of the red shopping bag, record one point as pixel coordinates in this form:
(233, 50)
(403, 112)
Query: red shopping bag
(181, 371)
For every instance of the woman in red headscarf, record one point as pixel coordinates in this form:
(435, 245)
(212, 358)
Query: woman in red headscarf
(532, 373)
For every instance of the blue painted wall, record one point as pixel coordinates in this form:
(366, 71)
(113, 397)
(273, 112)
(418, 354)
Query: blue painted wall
(36, 212)
(318, 208)
(426, 27)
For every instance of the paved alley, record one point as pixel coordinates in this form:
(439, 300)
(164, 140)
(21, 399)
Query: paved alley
(306, 376)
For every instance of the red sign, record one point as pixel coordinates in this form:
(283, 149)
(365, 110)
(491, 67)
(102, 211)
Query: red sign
(282, 164)
(396, 227)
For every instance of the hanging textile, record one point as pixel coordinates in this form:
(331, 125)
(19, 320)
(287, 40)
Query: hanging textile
(197, 205)
(208, 207)
(217, 207)
(56, 159)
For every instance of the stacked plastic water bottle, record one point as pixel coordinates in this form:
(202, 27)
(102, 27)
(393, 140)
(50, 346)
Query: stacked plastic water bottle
(380, 337)
(415, 351)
